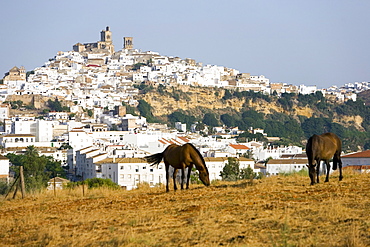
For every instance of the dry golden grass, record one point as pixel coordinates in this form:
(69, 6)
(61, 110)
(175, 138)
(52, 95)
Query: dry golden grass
(276, 211)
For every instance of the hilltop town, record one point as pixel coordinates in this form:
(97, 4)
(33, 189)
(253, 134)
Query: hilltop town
(97, 138)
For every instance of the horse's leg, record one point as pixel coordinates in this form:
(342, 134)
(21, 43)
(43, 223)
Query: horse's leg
(327, 162)
(189, 173)
(340, 169)
(318, 162)
(174, 179)
(335, 162)
(182, 177)
(167, 177)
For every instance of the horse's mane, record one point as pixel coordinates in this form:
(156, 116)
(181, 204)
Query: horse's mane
(200, 155)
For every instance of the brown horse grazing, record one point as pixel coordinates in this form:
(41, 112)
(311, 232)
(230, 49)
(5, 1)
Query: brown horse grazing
(181, 157)
(323, 147)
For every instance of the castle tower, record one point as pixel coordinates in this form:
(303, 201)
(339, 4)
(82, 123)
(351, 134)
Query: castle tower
(128, 43)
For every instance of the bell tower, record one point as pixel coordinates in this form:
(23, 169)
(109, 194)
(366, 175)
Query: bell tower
(128, 43)
(106, 35)
(106, 41)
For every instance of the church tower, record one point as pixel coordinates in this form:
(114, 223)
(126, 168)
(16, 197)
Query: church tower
(105, 42)
(106, 35)
(128, 43)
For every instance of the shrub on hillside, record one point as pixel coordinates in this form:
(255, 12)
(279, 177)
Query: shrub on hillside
(95, 183)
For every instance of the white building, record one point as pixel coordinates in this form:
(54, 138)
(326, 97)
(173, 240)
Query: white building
(4, 111)
(79, 139)
(307, 89)
(4, 168)
(17, 140)
(180, 126)
(85, 162)
(356, 159)
(277, 166)
(129, 172)
(41, 129)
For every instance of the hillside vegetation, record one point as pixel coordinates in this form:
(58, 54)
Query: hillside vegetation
(275, 211)
(292, 117)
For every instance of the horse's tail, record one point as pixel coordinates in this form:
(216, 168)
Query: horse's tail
(154, 159)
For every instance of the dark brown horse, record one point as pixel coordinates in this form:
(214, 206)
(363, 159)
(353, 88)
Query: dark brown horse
(323, 147)
(181, 157)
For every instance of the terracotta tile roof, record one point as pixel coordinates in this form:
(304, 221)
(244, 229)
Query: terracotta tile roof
(215, 159)
(18, 135)
(238, 146)
(183, 139)
(288, 161)
(163, 141)
(121, 160)
(222, 159)
(364, 154)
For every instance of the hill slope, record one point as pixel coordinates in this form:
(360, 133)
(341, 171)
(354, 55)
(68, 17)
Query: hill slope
(197, 101)
(277, 211)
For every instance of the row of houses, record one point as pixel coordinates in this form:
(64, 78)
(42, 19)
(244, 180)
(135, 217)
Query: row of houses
(129, 172)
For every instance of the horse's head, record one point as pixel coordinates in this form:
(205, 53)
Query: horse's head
(312, 173)
(204, 177)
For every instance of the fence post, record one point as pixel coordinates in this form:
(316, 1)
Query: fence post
(55, 193)
(83, 185)
(22, 181)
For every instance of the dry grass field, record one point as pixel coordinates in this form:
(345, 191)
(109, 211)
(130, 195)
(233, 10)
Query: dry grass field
(275, 211)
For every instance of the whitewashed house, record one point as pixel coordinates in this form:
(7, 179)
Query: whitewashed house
(238, 150)
(41, 129)
(57, 183)
(129, 172)
(277, 166)
(17, 140)
(85, 162)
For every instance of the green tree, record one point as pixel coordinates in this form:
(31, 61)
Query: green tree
(65, 146)
(231, 171)
(228, 120)
(37, 169)
(54, 168)
(57, 106)
(199, 127)
(137, 66)
(145, 110)
(95, 183)
(227, 95)
(210, 120)
(247, 173)
(179, 116)
(90, 113)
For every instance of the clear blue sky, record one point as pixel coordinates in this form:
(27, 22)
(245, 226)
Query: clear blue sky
(315, 42)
